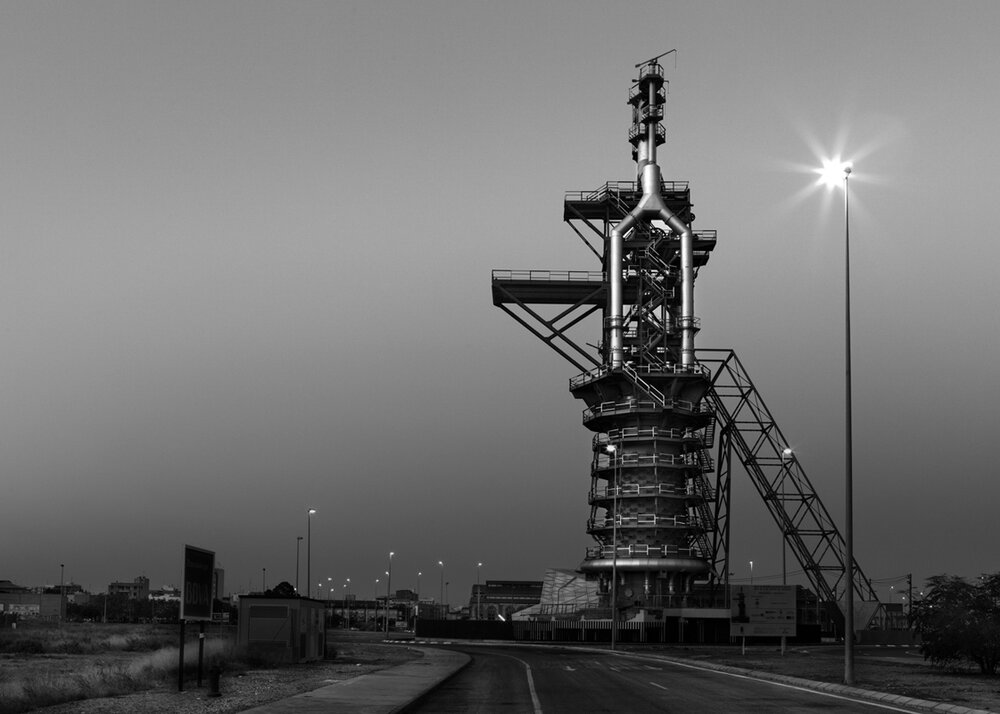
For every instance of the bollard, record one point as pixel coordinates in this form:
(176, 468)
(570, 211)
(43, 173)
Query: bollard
(214, 673)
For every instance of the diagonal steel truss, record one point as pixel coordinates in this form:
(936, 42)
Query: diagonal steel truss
(748, 431)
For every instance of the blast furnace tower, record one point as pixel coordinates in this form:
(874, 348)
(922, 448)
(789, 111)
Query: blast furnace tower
(658, 509)
(650, 503)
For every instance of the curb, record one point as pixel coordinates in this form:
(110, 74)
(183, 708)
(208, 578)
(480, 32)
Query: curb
(829, 687)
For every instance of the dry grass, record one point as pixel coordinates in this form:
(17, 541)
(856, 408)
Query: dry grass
(43, 666)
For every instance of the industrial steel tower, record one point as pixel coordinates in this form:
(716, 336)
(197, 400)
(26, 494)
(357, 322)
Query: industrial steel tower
(650, 503)
(657, 514)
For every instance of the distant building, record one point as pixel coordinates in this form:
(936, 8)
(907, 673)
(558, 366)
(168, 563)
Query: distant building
(167, 593)
(19, 601)
(502, 598)
(138, 589)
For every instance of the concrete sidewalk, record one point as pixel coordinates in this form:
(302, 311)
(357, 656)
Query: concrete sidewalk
(382, 692)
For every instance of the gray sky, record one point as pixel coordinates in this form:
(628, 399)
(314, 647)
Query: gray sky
(245, 261)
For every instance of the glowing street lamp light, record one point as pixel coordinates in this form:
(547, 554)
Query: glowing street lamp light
(751, 573)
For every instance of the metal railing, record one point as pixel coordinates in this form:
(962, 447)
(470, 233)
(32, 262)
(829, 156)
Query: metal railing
(606, 461)
(635, 490)
(641, 550)
(550, 275)
(616, 188)
(632, 405)
(631, 432)
(640, 520)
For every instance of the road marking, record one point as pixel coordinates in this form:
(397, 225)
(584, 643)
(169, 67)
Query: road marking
(660, 686)
(796, 688)
(535, 703)
(570, 669)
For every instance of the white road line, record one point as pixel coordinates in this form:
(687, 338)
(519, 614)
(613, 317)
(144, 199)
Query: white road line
(537, 705)
(660, 686)
(799, 689)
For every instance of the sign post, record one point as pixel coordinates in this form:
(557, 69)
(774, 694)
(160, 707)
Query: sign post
(196, 601)
(763, 611)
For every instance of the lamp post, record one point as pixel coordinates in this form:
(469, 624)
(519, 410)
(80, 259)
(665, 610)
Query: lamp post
(751, 573)
(849, 449)
(416, 605)
(376, 603)
(347, 588)
(479, 593)
(388, 592)
(441, 563)
(309, 541)
(786, 455)
(298, 543)
(263, 579)
(613, 450)
(832, 172)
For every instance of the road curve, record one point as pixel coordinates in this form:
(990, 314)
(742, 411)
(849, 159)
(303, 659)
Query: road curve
(552, 681)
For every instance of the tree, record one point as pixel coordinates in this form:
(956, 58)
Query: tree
(960, 621)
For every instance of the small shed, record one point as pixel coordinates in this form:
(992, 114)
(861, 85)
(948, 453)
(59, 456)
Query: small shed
(285, 629)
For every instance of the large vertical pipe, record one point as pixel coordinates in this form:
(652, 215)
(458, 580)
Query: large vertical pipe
(615, 280)
(687, 297)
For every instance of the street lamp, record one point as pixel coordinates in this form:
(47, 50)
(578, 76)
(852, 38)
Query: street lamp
(298, 544)
(479, 593)
(376, 603)
(751, 573)
(832, 172)
(441, 563)
(416, 605)
(263, 579)
(347, 587)
(309, 515)
(613, 450)
(388, 592)
(787, 455)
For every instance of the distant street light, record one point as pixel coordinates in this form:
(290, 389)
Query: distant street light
(751, 573)
(441, 563)
(388, 592)
(309, 515)
(263, 579)
(787, 455)
(347, 587)
(479, 593)
(615, 470)
(298, 543)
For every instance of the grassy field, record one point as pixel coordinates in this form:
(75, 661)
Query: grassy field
(43, 664)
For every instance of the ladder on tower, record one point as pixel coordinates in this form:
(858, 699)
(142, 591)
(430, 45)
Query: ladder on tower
(748, 428)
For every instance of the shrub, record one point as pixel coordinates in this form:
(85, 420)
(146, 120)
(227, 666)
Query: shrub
(960, 621)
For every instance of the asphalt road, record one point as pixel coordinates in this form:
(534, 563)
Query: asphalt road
(534, 680)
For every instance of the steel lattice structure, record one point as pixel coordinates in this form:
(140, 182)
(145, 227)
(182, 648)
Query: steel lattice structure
(659, 503)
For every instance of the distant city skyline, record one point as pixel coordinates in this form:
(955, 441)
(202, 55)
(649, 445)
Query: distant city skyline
(246, 254)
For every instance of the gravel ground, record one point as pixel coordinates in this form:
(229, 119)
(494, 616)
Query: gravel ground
(244, 690)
